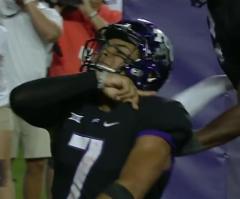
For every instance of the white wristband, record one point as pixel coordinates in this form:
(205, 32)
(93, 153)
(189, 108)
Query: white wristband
(101, 77)
(28, 1)
(93, 14)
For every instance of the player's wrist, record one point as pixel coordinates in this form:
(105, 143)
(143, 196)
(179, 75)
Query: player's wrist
(118, 191)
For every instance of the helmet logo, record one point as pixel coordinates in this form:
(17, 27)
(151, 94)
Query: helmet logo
(159, 36)
(136, 72)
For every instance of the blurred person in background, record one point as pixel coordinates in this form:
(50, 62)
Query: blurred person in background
(224, 25)
(82, 18)
(32, 28)
(6, 189)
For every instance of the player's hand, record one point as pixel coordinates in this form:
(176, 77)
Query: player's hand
(121, 88)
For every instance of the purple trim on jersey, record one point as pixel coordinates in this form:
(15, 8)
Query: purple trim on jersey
(166, 136)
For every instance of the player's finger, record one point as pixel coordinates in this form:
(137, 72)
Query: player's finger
(111, 93)
(146, 93)
(132, 92)
(124, 89)
(134, 102)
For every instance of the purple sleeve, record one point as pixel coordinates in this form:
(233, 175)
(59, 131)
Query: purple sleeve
(164, 135)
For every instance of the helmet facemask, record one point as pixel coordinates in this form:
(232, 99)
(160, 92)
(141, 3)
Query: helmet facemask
(96, 49)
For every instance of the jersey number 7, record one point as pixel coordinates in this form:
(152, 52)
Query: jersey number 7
(92, 148)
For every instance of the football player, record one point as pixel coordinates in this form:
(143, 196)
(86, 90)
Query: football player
(112, 136)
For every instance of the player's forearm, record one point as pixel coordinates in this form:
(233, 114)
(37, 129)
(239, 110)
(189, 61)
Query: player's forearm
(221, 130)
(47, 29)
(42, 102)
(47, 92)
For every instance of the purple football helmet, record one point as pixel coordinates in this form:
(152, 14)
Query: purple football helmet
(151, 70)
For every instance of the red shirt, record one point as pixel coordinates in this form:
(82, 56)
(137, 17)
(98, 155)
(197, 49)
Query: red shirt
(76, 31)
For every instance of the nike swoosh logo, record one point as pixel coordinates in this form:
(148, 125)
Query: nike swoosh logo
(106, 124)
(151, 79)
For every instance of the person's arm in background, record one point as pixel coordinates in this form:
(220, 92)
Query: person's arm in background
(219, 131)
(48, 29)
(223, 129)
(224, 23)
(91, 11)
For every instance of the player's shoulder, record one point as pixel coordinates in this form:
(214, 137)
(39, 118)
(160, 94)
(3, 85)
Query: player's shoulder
(159, 103)
(165, 115)
(163, 111)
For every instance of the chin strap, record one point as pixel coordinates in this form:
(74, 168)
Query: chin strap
(100, 67)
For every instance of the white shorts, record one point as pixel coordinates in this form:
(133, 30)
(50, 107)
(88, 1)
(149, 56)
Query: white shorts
(5, 135)
(35, 141)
